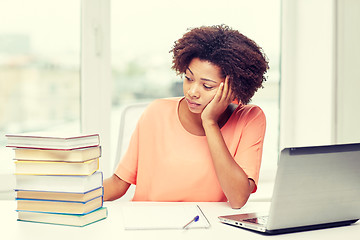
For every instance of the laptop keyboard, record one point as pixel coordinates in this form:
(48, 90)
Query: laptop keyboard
(259, 220)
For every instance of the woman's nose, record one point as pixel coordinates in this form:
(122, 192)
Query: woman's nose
(194, 91)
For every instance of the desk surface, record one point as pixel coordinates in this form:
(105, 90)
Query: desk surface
(112, 228)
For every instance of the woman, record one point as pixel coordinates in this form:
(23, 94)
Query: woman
(200, 147)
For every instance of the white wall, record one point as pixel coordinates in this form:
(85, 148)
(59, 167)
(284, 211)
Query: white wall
(318, 89)
(348, 62)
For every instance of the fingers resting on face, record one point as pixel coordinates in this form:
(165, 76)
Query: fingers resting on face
(224, 91)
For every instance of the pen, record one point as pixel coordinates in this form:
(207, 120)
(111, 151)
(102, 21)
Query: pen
(195, 219)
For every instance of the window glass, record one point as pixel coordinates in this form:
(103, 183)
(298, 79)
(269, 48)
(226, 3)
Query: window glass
(39, 68)
(143, 32)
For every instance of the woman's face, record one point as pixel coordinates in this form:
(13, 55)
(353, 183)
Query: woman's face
(201, 82)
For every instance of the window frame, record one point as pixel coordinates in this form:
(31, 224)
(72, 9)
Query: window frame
(96, 75)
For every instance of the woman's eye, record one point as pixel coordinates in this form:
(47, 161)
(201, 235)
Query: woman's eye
(187, 78)
(208, 87)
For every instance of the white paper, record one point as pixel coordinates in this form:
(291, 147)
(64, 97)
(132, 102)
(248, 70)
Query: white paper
(162, 216)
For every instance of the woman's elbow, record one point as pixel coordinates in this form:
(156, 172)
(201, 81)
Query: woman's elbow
(239, 202)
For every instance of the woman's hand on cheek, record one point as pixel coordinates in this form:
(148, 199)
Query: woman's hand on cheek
(218, 104)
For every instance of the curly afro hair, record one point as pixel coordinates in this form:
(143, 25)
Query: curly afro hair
(239, 57)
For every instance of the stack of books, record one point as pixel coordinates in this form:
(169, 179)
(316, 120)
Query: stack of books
(57, 178)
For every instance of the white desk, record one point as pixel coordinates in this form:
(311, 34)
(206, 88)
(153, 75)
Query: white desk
(112, 228)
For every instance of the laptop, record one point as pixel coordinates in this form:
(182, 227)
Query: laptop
(315, 187)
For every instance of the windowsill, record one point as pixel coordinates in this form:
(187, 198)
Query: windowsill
(263, 193)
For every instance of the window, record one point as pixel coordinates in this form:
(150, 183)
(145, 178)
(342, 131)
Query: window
(39, 70)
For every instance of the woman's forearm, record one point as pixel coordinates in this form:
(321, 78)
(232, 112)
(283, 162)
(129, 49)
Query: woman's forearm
(232, 178)
(114, 188)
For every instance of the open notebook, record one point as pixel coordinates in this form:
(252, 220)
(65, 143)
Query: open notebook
(144, 216)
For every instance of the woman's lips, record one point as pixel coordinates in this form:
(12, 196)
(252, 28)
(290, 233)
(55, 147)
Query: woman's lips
(192, 104)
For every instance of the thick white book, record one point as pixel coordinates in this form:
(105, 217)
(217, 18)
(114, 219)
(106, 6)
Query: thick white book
(75, 184)
(52, 140)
